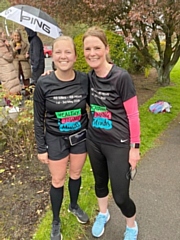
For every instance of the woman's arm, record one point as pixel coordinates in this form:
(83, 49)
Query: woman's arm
(39, 119)
(131, 107)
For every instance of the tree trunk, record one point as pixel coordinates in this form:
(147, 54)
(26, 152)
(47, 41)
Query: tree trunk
(163, 75)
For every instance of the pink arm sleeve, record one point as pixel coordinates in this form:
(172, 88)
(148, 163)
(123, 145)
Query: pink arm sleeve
(131, 107)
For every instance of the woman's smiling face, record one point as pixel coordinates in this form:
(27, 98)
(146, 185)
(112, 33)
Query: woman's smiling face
(64, 55)
(16, 37)
(95, 51)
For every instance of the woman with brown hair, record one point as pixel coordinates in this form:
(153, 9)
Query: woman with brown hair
(113, 136)
(21, 61)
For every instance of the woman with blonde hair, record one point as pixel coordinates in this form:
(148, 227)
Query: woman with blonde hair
(21, 61)
(60, 122)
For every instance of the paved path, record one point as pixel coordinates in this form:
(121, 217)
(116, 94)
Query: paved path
(156, 192)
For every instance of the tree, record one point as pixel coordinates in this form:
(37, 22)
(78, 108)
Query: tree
(147, 22)
(141, 22)
(4, 4)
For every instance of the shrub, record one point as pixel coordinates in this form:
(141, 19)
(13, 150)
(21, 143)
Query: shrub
(17, 129)
(80, 64)
(118, 50)
(138, 63)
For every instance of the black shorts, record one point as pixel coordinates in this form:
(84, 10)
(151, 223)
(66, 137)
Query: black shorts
(59, 147)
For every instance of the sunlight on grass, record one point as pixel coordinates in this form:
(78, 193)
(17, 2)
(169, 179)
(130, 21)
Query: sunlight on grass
(152, 125)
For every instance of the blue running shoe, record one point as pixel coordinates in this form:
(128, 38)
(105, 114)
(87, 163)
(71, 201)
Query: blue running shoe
(99, 224)
(131, 233)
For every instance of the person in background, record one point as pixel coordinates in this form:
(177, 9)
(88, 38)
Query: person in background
(36, 55)
(113, 136)
(21, 62)
(60, 122)
(8, 75)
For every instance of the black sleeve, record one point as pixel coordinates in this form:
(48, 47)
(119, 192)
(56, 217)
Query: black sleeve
(39, 118)
(88, 96)
(36, 53)
(125, 86)
(86, 85)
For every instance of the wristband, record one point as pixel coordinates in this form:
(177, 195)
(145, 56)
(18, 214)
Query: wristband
(135, 145)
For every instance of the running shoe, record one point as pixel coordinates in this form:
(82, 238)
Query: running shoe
(55, 233)
(99, 224)
(81, 216)
(131, 233)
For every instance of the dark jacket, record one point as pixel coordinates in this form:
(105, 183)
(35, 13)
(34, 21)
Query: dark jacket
(36, 52)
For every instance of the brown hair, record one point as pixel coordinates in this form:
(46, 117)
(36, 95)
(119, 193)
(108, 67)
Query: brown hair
(66, 38)
(99, 33)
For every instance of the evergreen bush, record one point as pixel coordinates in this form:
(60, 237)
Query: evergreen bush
(138, 63)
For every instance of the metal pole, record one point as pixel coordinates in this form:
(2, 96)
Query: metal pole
(6, 27)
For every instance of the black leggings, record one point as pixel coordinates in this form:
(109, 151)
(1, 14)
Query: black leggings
(110, 162)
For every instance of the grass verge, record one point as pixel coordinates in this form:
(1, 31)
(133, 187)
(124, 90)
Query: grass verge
(152, 125)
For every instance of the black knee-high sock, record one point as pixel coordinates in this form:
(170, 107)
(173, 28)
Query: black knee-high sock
(56, 196)
(74, 187)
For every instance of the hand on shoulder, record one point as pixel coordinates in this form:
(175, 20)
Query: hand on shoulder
(47, 73)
